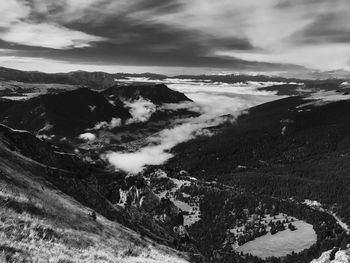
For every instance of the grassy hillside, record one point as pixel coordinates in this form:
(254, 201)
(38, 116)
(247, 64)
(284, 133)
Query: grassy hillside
(39, 223)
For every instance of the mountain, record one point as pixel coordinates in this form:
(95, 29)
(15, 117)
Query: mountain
(57, 215)
(271, 186)
(32, 76)
(152, 76)
(93, 80)
(286, 151)
(306, 77)
(67, 113)
(103, 80)
(217, 194)
(157, 93)
(290, 148)
(293, 89)
(71, 113)
(66, 205)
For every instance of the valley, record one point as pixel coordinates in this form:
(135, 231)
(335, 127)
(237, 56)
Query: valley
(177, 169)
(175, 131)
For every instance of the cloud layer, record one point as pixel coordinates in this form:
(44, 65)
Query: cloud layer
(48, 36)
(19, 26)
(140, 110)
(250, 35)
(211, 100)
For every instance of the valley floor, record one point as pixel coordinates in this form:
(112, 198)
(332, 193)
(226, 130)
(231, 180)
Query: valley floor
(281, 243)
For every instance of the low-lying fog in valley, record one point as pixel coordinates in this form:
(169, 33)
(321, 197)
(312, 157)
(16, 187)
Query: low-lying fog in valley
(216, 103)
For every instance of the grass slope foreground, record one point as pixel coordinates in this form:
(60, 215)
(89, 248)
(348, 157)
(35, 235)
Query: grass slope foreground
(39, 223)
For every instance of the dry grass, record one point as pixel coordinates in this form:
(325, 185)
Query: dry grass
(39, 224)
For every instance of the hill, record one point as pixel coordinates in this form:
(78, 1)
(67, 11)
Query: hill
(290, 148)
(94, 80)
(66, 114)
(47, 213)
(157, 93)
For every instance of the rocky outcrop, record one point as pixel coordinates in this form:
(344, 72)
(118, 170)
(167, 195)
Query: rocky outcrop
(142, 198)
(341, 256)
(163, 210)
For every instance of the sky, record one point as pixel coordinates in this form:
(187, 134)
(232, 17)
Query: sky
(175, 36)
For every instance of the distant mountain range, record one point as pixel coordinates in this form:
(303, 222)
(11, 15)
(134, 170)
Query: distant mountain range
(103, 80)
(69, 113)
(95, 80)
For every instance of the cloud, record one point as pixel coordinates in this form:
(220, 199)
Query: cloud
(87, 136)
(216, 99)
(13, 59)
(12, 11)
(158, 152)
(320, 56)
(330, 27)
(141, 110)
(115, 122)
(48, 36)
(310, 33)
(124, 33)
(250, 35)
(260, 22)
(212, 101)
(19, 26)
(277, 31)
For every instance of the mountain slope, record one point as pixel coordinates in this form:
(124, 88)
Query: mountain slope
(5, 104)
(157, 93)
(41, 223)
(291, 148)
(26, 160)
(68, 113)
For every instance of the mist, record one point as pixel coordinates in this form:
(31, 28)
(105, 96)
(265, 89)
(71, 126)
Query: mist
(214, 101)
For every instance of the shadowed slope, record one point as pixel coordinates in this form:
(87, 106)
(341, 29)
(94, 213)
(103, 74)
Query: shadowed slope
(68, 113)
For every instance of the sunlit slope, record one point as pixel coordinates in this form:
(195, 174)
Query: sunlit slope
(40, 223)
